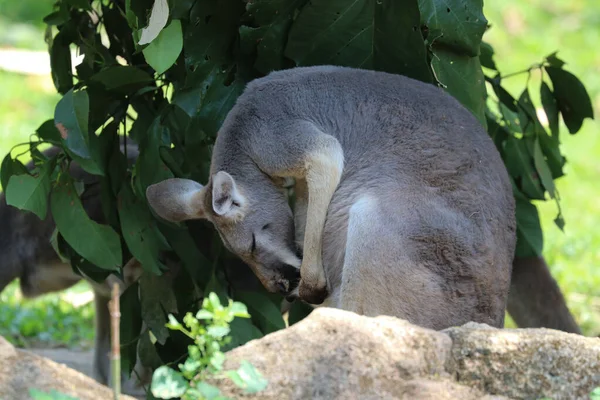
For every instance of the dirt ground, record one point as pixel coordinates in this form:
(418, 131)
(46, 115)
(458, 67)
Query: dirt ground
(78, 360)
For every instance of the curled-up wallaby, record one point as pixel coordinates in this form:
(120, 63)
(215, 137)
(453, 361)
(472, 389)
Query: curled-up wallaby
(405, 207)
(27, 254)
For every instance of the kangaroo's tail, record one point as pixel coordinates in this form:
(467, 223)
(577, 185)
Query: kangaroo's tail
(535, 300)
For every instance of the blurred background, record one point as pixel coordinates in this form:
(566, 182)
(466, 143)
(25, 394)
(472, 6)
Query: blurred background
(522, 33)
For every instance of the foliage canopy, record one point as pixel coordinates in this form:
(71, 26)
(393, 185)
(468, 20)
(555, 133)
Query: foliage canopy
(163, 74)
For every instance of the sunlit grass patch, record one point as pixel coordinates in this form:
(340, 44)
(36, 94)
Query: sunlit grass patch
(47, 321)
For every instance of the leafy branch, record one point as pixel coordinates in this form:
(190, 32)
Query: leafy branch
(205, 358)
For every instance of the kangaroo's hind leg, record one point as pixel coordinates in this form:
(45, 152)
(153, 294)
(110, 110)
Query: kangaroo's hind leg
(380, 274)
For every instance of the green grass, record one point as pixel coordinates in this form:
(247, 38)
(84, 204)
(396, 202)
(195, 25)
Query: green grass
(522, 34)
(47, 321)
(25, 102)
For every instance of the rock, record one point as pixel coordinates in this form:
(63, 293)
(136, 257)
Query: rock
(334, 354)
(525, 363)
(21, 371)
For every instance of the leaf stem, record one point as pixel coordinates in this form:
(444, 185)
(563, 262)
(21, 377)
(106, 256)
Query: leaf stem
(524, 71)
(115, 315)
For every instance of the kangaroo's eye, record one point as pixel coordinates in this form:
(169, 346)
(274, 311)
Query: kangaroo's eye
(253, 244)
(266, 226)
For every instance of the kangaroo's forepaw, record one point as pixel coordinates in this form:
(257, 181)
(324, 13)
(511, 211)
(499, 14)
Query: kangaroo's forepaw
(312, 294)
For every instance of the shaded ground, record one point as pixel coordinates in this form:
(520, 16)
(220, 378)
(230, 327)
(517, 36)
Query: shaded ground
(78, 360)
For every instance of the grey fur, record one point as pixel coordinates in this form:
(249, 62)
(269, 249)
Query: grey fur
(423, 189)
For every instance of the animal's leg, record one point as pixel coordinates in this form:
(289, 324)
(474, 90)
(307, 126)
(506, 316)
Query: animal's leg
(101, 363)
(318, 158)
(379, 268)
(361, 218)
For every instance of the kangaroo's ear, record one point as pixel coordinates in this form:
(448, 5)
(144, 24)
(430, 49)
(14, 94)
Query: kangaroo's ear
(177, 199)
(226, 198)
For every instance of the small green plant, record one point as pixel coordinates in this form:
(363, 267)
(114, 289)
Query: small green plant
(595, 394)
(205, 358)
(51, 395)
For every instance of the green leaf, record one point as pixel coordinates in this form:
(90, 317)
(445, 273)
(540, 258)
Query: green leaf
(162, 53)
(554, 61)
(218, 331)
(60, 62)
(239, 310)
(381, 35)
(242, 331)
(123, 79)
(398, 46)
(542, 168)
(559, 220)
(504, 97)
(157, 300)
(181, 9)
(71, 119)
(97, 243)
(218, 358)
(530, 239)
(212, 32)
(519, 163)
(213, 95)
(80, 4)
(9, 168)
(173, 323)
(168, 383)
(48, 132)
(550, 148)
(85, 267)
(572, 98)
(130, 15)
(486, 56)
(30, 193)
(498, 133)
(140, 232)
(213, 301)
(204, 314)
(158, 19)
(550, 108)
(147, 353)
(265, 313)
(298, 311)
(527, 114)
(194, 262)
(248, 378)
(461, 22)
(463, 78)
(150, 168)
(58, 17)
(130, 327)
(210, 392)
(270, 21)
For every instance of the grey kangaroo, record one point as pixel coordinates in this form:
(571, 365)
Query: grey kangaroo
(28, 255)
(404, 205)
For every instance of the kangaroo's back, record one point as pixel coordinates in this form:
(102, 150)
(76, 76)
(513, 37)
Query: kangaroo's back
(422, 223)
